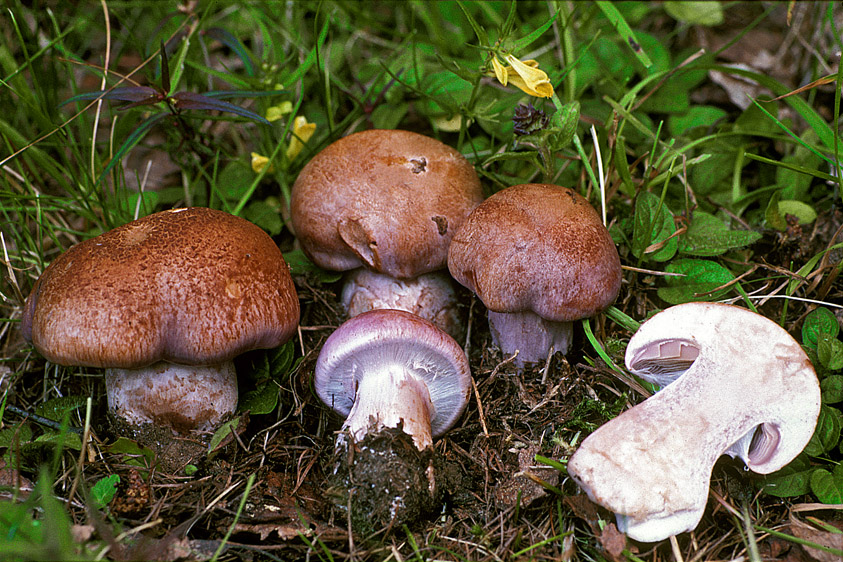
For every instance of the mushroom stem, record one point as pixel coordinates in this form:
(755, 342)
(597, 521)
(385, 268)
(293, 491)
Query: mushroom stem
(530, 335)
(388, 397)
(430, 295)
(184, 397)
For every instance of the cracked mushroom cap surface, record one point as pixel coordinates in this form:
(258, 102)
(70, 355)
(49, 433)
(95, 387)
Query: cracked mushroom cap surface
(540, 248)
(194, 286)
(736, 383)
(389, 200)
(378, 339)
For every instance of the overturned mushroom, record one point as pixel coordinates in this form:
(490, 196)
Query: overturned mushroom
(737, 384)
(401, 382)
(390, 202)
(164, 304)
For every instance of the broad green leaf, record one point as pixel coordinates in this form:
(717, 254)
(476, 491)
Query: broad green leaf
(104, 490)
(819, 321)
(828, 486)
(827, 433)
(802, 211)
(792, 480)
(261, 400)
(696, 116)
(708, 236)
(832, 389)
(222, 433)
(265, 216)
(830, 352)
(652, 225)
(700, 277)
(695, 13)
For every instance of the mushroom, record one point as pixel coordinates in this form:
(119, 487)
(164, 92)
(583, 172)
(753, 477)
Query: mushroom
(393, 374)
(388, 201)
(538, 257)
(741, 386)
(164, 304)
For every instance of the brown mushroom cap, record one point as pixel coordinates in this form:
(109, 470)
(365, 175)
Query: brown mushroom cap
(389, 200)
(193, 286)
(539, 248)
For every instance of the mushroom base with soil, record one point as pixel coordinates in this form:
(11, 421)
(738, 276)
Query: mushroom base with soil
(532, 336)
(430, 296)
(183, 397)
(386, 481)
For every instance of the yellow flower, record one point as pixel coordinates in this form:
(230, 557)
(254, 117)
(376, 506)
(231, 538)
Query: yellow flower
(302, 131)
(524, 75)
(276, 112)
(500, 72)
(260, 162)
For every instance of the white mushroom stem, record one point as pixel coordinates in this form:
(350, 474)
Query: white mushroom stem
(385, 398)
(530, 335)
(184, 397)
(430, 296)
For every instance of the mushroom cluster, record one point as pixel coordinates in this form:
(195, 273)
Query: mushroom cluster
(164, 304)
(736, 383)
(384, 204)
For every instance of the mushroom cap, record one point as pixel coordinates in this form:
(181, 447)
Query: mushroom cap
(741, 386)
(540, 248)
(374, 339)
(194, 286)
(389, 200)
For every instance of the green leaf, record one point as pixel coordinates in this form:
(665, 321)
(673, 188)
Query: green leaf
(104, 490)
(830, 352)
(695, 13)
(772, 214)
(619, 23)
(802, 211)
(222, 433)
(56, 408)
(301, 265)
(709, 236)
(132, 452)
(827, 433)
(525, 41)
(832, 389)
(265, 216)
(792, 480)
(819, 321)
(482, 36)
(828, 486)
(696, 116)
(700, 277)
(261, 400)
(652, 224)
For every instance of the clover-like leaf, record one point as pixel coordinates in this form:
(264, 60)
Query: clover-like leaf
(819, 321)
(827, 433)
(828, 486)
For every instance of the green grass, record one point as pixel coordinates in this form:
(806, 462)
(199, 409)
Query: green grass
(705, 200)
